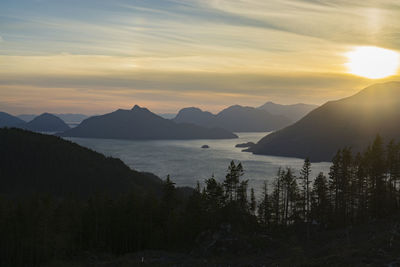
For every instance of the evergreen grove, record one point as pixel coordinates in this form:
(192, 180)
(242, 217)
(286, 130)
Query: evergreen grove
(358, 188)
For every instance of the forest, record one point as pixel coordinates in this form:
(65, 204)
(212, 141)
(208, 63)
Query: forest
(359, 189)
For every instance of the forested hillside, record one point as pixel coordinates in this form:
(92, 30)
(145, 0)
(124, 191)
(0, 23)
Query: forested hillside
(33, 163)
(347, 217)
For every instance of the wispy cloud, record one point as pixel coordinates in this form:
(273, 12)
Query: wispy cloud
(237, 51)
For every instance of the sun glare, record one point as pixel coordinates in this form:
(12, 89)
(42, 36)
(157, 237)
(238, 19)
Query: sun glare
(372, 62)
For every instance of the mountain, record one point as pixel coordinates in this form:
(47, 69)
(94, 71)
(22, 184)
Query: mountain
(292, 112)
(27, 117)
(32, 163)
(140, 123)
(69, 118)
(196, 116)
(234, 118)
(167, 115)
(7, 120)
(352, 121)
(72, 118)
(46, 122)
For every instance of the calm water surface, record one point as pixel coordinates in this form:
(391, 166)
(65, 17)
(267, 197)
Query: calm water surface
(188, 163)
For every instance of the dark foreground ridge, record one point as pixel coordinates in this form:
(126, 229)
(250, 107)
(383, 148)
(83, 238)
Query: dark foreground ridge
(121, 217)
(33, 163)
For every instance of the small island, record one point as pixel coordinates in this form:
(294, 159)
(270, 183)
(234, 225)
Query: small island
(248, 144)
(205, 146)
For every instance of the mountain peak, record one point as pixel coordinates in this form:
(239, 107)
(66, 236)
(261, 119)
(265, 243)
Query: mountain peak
(348, 122)
(139, 108)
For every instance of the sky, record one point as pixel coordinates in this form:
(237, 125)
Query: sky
(95, 56)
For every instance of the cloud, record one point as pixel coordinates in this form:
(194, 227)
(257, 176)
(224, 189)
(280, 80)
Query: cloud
(169, 53)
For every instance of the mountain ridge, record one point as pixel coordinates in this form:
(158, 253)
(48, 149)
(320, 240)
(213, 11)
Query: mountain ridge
(293, 112)
(46, 122)
(234, 118)
(349, 122)
(142, 124)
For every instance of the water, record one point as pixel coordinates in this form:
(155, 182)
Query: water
(188, 163)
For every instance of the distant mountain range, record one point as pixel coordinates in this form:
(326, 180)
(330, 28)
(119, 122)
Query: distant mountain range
(8, 120)
(141, 124)
(69, 118)
(352, 121)
(234, 118)
(167, 115)
(45, 122)
(33, 163)
(292, 112)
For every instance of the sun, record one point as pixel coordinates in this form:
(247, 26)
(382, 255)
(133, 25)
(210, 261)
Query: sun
(372, 62)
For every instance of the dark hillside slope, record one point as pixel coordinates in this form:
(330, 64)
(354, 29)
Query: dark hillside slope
(352, 121)
(33, 163)
(293, 112)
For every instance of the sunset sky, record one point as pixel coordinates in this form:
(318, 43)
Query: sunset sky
(94, 56)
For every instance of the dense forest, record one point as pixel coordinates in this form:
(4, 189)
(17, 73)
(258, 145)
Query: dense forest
(33, 163)
(359, 189)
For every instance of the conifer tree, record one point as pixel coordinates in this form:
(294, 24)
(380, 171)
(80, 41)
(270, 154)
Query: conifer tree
(253, 202)
(305, 181)
(264, 208)
(320, 199)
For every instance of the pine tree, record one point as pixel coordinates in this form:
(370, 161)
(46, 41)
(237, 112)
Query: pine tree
(276, 198)
(231, 182)
(169, 194)
(253, 202)
(242, 195)
(334, 187)
(214, 195)
(320, 199)
(377, 178)
(305, 181)
(264, 208)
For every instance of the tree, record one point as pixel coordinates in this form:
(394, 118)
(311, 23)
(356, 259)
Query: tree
(377, 178)
(264, 208)
(320, 199)
(276, 198)
(253, 202)
(242, 195)
(231, 181)
(214, 195)
(304, 178)
(169, 194)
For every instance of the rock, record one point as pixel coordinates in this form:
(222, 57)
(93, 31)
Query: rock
(205, 146)
(248, 144)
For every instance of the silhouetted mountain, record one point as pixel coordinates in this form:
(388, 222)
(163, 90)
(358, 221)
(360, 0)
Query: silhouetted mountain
(46, 122)
(7, 120)
(196, 116)
(27, 117)
(352, 121)
(69, 118)
(292, 112)
(33, 163)
(234, 118)
(140, 123)
(167, 115)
